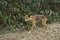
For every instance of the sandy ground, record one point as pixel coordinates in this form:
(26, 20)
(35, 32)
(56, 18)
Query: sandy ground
(52, 33)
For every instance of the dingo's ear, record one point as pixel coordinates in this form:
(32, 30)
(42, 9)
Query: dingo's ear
(25, 15)
(31, 16)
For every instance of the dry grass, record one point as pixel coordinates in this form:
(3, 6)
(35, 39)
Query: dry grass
(52, 33)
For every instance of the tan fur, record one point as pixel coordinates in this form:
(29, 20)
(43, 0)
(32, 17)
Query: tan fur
(34, 19)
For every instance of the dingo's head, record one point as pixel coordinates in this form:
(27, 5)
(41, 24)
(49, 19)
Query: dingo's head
(26, 18)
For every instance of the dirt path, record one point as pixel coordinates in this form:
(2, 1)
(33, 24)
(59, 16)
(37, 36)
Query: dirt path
(52, 33)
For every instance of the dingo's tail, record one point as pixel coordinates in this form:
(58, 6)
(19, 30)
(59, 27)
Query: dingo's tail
(49, 14)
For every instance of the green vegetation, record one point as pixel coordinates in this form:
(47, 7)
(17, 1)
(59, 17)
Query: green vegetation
(12, 12)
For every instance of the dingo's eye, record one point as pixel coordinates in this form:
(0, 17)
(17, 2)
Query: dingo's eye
(26, 18)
